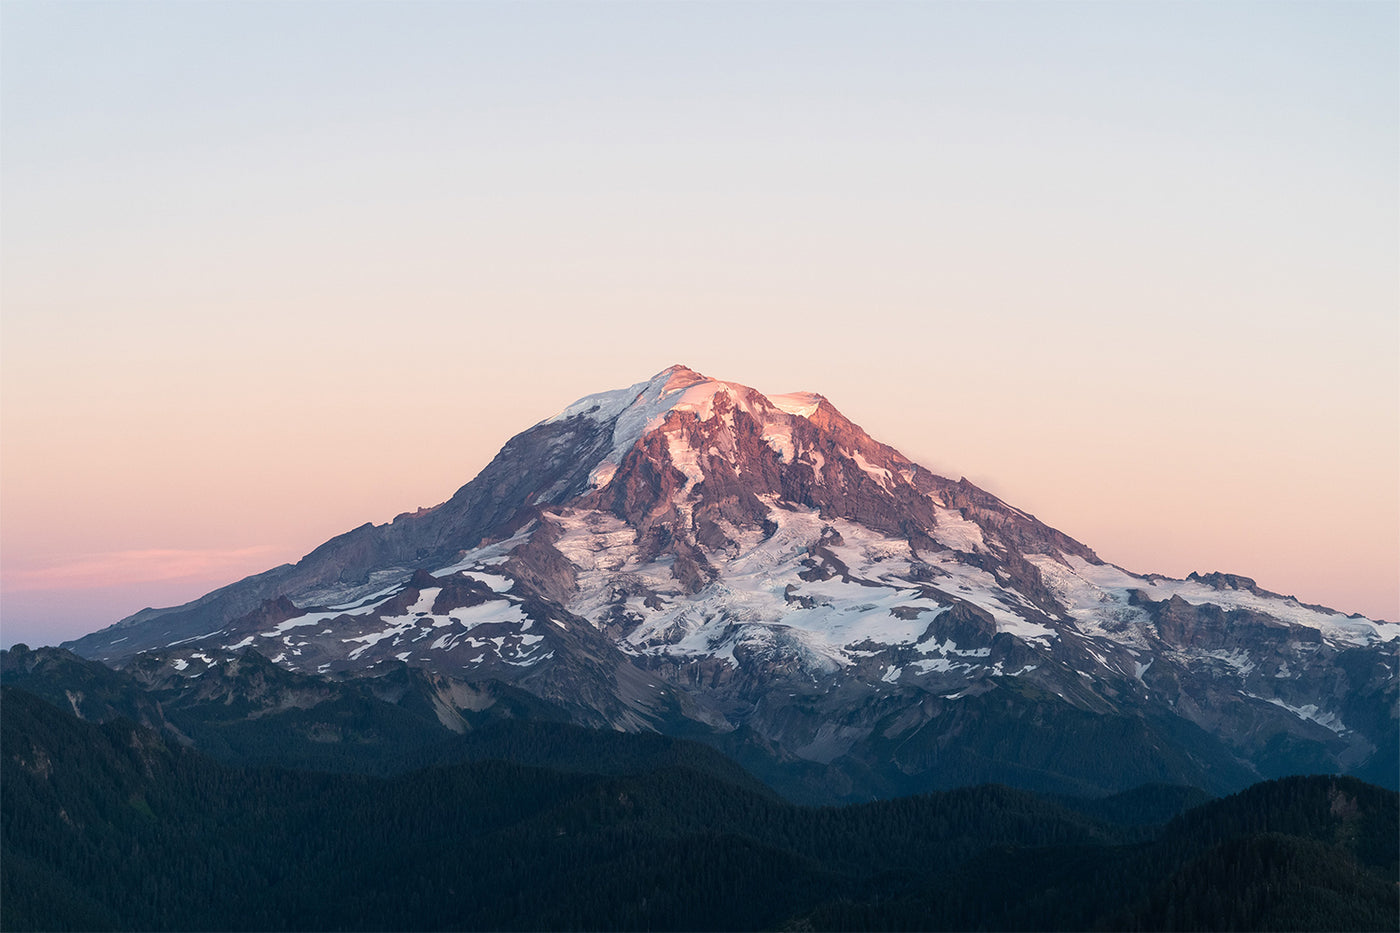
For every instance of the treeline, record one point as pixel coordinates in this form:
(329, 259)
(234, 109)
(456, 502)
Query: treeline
(112, 827)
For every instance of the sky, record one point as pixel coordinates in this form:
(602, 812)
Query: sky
(269, 271)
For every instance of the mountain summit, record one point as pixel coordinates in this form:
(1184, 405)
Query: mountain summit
(690, 555)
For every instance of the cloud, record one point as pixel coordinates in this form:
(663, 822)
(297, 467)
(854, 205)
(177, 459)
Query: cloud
(142, 566)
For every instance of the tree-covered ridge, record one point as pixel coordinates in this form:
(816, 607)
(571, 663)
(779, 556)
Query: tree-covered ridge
(111, 826)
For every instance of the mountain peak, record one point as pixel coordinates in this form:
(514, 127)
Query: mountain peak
(638, 410)
(680, 387)
(678, 376)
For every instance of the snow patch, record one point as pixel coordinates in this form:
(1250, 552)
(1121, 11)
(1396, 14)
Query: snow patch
(404, 624)
(801, 404)
(1309, 711)
(953, 531)
(878, 473)
(1099, 593)
(358, 608)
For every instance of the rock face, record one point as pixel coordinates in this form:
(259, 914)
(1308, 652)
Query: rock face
(689, 554)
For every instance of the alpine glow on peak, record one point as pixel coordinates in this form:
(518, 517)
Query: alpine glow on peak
(688, 553)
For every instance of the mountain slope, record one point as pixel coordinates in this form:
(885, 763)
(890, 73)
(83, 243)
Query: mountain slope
(689, 555)
(109, 827)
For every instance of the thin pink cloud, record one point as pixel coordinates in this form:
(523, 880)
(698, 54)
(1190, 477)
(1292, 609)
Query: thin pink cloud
(140, 566)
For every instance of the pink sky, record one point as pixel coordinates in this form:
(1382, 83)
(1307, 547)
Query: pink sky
(270, 272)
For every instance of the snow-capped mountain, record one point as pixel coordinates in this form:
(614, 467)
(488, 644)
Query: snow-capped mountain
(690, 554)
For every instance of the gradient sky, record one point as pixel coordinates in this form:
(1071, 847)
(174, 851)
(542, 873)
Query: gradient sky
(273, 270)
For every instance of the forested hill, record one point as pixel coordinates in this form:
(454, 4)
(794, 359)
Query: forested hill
(111, 826)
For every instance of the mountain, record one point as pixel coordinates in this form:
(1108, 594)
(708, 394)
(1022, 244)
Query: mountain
(112, 827)
(386, 720)
(690, 556)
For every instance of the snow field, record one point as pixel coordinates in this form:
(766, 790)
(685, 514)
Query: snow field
(761, 599)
